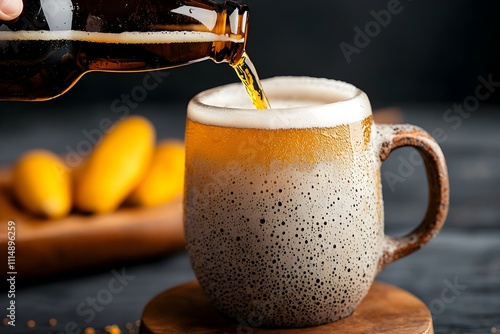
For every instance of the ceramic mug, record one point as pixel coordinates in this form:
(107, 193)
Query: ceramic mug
(283, 208)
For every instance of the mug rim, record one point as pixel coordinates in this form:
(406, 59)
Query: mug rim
(341, 103)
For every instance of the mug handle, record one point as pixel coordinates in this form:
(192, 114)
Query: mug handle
(388, 139)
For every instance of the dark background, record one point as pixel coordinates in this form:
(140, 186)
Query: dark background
(426, 60)
(432, 51)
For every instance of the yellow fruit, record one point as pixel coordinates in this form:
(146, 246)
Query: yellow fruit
(116, 166)
(42, 184)
(165, 177)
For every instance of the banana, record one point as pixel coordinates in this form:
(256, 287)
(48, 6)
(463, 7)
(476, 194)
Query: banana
(42, 184)
(116, 166)
(165, 177)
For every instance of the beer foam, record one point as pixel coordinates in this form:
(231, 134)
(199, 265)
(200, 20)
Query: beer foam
(130, 37)
(297, 102)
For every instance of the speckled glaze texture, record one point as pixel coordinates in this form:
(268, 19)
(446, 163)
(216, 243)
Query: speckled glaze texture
(292, 247)
(284, 227)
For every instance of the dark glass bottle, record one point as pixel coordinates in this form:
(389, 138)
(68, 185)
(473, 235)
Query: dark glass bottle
(54, 42)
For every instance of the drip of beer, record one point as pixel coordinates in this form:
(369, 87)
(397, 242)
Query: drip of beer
(248, 75)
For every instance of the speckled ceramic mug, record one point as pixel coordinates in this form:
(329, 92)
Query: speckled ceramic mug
(283, 207)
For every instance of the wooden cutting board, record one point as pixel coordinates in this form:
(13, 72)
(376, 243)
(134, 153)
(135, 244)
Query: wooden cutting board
(78, 243)
(385, 310)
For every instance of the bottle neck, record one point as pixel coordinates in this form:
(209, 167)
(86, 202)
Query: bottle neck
(232, 23)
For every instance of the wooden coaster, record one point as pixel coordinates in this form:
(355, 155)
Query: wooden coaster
(186, 309)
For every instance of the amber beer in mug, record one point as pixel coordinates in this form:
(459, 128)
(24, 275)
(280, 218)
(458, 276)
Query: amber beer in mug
(283, 208)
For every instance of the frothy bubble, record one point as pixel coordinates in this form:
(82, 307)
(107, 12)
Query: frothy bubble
(131, 37)
(297, 102)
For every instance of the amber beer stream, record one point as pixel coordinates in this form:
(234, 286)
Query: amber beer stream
(283, 207)
(248, 75)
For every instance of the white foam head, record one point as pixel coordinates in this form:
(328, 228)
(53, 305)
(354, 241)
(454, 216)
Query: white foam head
(297, 102)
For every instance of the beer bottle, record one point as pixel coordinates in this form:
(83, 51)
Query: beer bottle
(54, 42)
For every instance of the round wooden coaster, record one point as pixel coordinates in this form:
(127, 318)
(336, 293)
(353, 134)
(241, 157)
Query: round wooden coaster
(386, 309)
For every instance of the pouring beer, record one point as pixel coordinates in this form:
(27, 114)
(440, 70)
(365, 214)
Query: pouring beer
(53, 44)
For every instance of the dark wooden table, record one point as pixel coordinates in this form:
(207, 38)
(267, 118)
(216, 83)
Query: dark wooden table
(457, 275)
